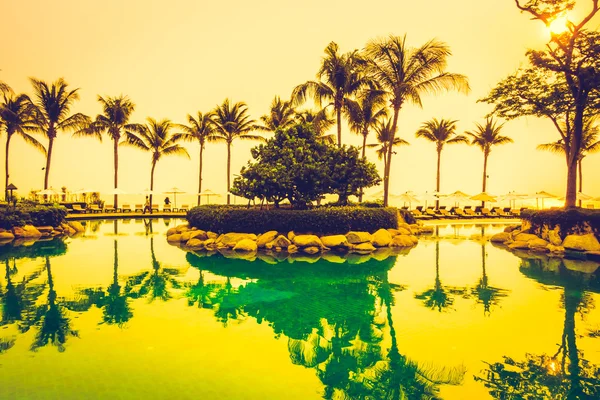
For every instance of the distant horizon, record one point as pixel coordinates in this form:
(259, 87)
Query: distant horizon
(187, 68)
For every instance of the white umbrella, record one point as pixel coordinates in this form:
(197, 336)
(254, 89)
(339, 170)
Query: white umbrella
(406, 198)
(580, 197)
(47, 192)
(429, 196)
(148, 192)
(512, 197)
(116, 191)
(456, 197)
(84, 191)
(483, 196)
(208, 193)
(543, 195)
(175, 191)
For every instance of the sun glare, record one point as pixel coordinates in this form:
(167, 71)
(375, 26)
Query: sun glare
(559, 25)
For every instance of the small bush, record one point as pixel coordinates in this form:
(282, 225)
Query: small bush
(325, 220)
(569, 220)
(372, 204)
(37, 215)
(13, 217)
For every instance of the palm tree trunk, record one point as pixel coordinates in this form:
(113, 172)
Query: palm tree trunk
(116, 161)
(116, 265)
(387, 168)
(580, 178)
(152, 182)
(8, 136)
(200, 173)
(574, 153)
(364, 145)
(571, 195)
(485, 159)
(437, 185)
(228, 172)
(339, 125)
(48, 160)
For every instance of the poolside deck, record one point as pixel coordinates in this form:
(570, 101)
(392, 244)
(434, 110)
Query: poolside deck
(125, 215)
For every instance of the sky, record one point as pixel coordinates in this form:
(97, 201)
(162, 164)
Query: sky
(183, 56)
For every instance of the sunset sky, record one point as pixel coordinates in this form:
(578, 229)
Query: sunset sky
(179, 57)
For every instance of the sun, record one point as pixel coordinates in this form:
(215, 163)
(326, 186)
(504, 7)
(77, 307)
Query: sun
(559, 25)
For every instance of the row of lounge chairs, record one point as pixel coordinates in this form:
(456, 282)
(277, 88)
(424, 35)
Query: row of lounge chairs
(125, 208)
(467, 212)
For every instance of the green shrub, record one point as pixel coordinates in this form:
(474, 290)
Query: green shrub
(324, 220)
(36, 215)
(13, 217)
(372, 204)
(569, 221)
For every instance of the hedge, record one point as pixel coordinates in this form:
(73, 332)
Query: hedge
(569, 220)
(37, 216)
(325, 220)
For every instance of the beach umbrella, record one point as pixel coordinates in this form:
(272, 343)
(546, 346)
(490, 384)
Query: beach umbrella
(208, 193)
(406, 198)
(47, 192)
(483, 196)
(148, 192)
(543, 195)
(512, 198)
(116, 191)
(456, 197)
(429, 196)
(84, 191)
(377, 195)
(174, 191)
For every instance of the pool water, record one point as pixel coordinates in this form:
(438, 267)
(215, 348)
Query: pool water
(118, 313)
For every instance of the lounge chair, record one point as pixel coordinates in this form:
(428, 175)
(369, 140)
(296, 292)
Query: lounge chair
(485, 212)
(432, 212)
(184, 208)
(108, 209)
(78, 209)
(126, 208)
(419, 215)
(461, 213)
(515, 212)
(167, 208)
(469, 211)
(505, 212)
(95, 208)
(139, 207)
(445, 213)
(420, 208)
(154, 207)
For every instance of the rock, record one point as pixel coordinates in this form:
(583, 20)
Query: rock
(292, 248)
(402, 241)
(210, 244)
(307, 241)
(382, 238)
(359, 237)
(77, 226)
(404, 231)
(185, 236)
(501, 237)
(511, 228)
(364, 248)
(231, 239)
(406, 226)
(426, 229)
(393, 232)
(281, 241)
(27, 231)
(555, 249)
(291, 235)
(171, 231)
(554, 238)
(333, 241)
(212, 235)
(538, 245)
(182, 228)
(247, 245)
(586, 267)
(6, 236)
(265, 238)
(176, 237)
(311, 250)
(195, 243)
(198, 234)
(593, 255)
(382, 253)
(524, 237)
(45, 229)
(519, 244)
(586, 242)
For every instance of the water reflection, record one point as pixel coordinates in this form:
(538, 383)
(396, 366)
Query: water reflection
(564, 374)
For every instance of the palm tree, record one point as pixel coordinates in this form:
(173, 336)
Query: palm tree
(233, 122)
(384, 134)
(340, 77)
(17, 116)
(113, 121)
(440, 132)
(202, 129)
(405, 74)
(486, 136)
(589, 144)
(54, 103)
(281, 116)
(320, 121)
(155, 137)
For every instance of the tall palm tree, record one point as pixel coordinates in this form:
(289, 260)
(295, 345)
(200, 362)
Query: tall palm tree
(113, 121)
(202, 129)
(384, 135)
(440, 132)
(589, 144)
(17, 116)
(156, 138)
(320, 121)
(281, 116)
(407, 73)
(54, 103)
(486, 136)
(340, 77)
(232, 121)
(365, 113)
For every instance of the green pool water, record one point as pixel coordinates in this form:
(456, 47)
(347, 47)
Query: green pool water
(118, 313)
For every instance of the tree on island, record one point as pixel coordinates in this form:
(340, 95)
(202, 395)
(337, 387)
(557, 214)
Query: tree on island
(571, 57)
(383, 131)
(53, 102)
(113, 121)
(295, 165)
(340, 77)
(321, 121)
(202, 129)
(156, 138)
(17, 116)
(589, 144)
(405, 74)
(233, 122)
(440, 132)
(484, 137)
